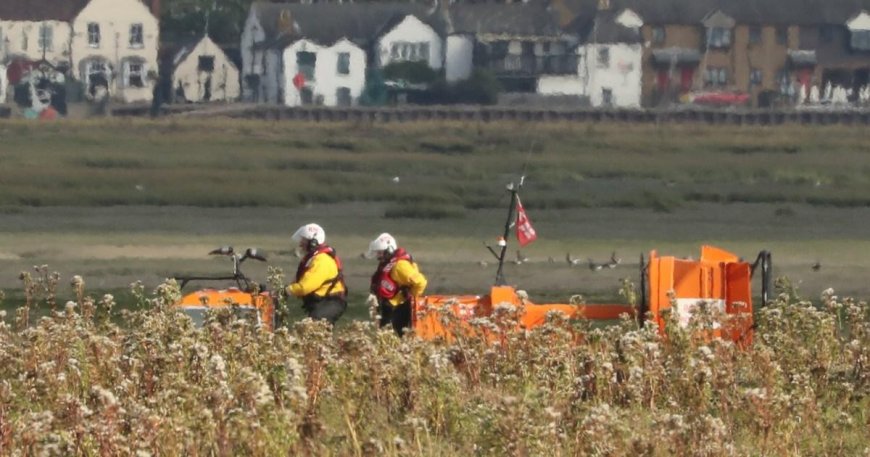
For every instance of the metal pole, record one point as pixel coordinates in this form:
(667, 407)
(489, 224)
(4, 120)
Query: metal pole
(499, 276)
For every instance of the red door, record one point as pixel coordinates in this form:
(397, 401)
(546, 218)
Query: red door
(687, 74)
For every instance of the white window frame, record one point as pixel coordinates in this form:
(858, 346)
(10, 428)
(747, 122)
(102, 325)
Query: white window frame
(94, 35)
(140, 43)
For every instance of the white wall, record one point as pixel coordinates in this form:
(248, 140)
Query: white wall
(272, 79)
(622, 76)
(459, 57)
(115, 18)
(23, 41)
(224, 78)
(3, 84)
(411, 30)
(859, 22)
(326, 78)
(251, 35)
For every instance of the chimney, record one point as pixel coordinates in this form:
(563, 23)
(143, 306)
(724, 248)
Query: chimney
(155, 8)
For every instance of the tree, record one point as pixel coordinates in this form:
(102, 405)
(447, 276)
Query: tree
(184, 19)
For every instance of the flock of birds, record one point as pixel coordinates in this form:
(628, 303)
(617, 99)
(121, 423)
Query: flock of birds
(572, 262)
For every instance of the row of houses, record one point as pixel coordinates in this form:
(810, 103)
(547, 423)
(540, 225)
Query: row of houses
(608, 52)
(623, 53)
(105, 44)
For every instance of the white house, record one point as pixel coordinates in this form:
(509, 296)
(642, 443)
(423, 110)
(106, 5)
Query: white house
(324, 75)
(115, 43)
(202, 72)
(608, 62)
(34, 30)
(411, 39)
(521, 43)
(330, 45)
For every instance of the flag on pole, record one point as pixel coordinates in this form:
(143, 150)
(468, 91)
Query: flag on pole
(525, 232)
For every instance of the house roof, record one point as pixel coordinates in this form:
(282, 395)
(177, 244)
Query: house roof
(41, 10)
(529, 19)
(185, 48)
(604, 28)
(327, 23)
(767, 12)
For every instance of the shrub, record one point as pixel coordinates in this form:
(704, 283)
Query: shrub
(410, 72)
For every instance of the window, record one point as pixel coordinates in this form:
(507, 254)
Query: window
(24, 39)
(606, 96)
(718, 37)
(306, 95)
(342, 96)
(716, 76)
(46, 37)
(94, 35)
(135, 73)
(343, 66)
(604, 58)
(861, 40)
(755, 77)
(658, 35)
(206, 64)
(136, 36)
(754, 34)
(782, 36)
(409, 52)
(306, 61)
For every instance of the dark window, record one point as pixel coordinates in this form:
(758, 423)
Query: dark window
(135, 75)
(342, 96)
(46, 37)
(658, 35)
(718, 37)
(137, 39)
(604, 58)
(755, 77)
(528, 48)
(94, 35)
(606, 96)
(782, 35)
(306, 61)
(343, 67)
(306, 95)
(754, 35)
(861, 40)
(206, 63)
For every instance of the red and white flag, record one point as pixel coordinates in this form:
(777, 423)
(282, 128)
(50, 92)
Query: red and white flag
(525, 232)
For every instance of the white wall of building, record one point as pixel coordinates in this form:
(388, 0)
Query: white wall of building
(3, 84)
(21, 38)
(224, 80)
(272, 79)
(860, 22)
(252, 61)
(327, 79)
(620, 75)
(459, 59)
(410, 34)
(117, 20)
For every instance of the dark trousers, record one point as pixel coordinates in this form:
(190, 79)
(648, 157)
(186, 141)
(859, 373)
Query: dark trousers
(399, 316)
(326, 308)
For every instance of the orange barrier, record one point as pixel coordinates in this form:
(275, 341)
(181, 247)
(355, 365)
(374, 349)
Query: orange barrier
(719, 281)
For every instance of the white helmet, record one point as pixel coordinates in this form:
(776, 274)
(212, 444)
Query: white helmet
(384, 242)
(310, 232)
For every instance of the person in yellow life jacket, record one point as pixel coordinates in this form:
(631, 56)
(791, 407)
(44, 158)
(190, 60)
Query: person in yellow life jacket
(319, 278)
(396, 283)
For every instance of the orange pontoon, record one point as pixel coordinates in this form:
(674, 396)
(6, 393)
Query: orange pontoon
(718, 280)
